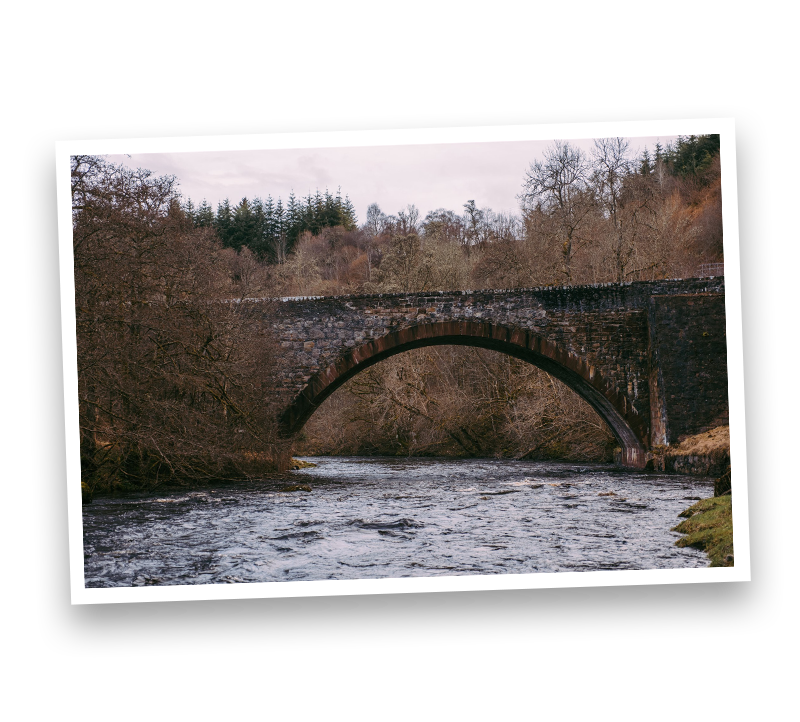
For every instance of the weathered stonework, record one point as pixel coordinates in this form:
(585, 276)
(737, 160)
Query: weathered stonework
(614, 344)
(689, 393)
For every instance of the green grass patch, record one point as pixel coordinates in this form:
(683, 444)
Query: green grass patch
(709, 526)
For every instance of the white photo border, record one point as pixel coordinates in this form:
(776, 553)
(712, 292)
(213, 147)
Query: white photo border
(420, 136)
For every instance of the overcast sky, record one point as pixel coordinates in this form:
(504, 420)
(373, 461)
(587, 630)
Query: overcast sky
(429, 176)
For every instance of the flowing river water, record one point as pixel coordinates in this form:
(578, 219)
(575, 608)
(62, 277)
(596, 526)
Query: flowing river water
(379, 517)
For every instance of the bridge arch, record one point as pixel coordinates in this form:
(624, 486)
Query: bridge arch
(576, 373)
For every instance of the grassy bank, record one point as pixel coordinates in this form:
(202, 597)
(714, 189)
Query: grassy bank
(709, 526)
(706, 454)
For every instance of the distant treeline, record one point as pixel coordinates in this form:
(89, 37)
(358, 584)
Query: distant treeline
(269, 228)
(690, 156)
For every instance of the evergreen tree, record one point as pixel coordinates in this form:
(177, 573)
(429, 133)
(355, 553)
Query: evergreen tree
(280, 218)
(351, 221)
(319, 209)
(269, 217)
(243, 226)
(270, 229)
(269, 232)
(281, 244)
(294, 220)
(308, 213)
(645, 164)
(223, 223)
(692, 155)
(189, 211)
(204, 216)
(260, 244)
(339, 203)
(330, 214)
(668, 155)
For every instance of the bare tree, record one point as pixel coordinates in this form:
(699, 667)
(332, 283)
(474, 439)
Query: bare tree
(556, 189)
(405, 266)
(473, 221)
(376, 220)
(408, 220)
(443, 226)
(611, 168)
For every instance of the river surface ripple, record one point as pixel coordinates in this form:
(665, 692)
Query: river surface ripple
(378, 517)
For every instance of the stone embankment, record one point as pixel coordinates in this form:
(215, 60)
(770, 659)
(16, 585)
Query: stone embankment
(705, 454)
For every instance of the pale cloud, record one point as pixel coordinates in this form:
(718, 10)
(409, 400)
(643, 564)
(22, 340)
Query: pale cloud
(429, 176)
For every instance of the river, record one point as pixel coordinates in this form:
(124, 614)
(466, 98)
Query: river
(379, 517)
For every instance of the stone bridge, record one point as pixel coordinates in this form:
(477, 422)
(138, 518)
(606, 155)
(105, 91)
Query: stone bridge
(649, 356)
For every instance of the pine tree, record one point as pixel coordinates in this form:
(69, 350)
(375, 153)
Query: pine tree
(318, 213)
(223, 223)
(329, 214)
(280, 217)
(351, 221)
(189, 211)
(270, 231)
(204, 216)
(281, 242)
(693, 154)
(260, 241)
(243, 226)
(294, 221)
(645, 165)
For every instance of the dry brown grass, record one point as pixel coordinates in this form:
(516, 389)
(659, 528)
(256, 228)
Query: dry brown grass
(715, 441)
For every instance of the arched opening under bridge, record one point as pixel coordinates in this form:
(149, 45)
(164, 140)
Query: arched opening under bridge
(574, 372)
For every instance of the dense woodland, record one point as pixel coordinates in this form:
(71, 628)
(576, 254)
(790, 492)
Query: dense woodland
(172, 374)
(175, 387)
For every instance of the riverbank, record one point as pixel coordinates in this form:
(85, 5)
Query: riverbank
(139, 488)
(706, 454)
(709, 522)
(708, 525)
